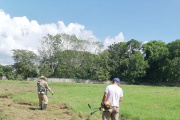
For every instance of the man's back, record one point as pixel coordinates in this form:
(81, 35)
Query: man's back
(42, 86)
(114, 93)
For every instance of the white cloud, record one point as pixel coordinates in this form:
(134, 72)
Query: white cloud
(20, 33)
(145, 42)
(109, 41)
(78, 30)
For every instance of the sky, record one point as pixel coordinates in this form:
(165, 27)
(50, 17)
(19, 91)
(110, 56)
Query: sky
(23, 23)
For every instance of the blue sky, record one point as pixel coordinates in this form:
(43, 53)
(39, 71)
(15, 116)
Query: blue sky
(103, 20)
(143, 20)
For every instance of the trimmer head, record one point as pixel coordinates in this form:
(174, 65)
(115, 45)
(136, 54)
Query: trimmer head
(102, 108)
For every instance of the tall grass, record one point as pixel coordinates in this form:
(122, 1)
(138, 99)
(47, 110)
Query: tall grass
(139, 102)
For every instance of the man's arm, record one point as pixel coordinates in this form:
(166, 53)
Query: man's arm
(46, 85)
(121, 96)
(120, 99)
(105, 97)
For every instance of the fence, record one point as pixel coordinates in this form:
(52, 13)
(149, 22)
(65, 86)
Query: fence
(73, 80)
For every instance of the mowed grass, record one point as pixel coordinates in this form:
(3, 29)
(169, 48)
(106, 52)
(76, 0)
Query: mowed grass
(139, 102)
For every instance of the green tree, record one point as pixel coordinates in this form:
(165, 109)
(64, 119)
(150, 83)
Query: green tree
(50, 45)
(25, 63)
(174, 49)
(68, 63)
(134, 68)
(173, 70)
(102, 67)
(134, 46)
(45, 69)
(74, 57)
(1, 71)
(173, 62)
(117, 52)
(156, 53)
(9, 72)
(118, 57)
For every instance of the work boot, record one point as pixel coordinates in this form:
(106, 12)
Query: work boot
(40, 106)
(44, 107)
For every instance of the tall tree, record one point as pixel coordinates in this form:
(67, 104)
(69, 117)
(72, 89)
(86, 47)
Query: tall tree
(134, 46)
(174, 49)
(102, 67)
(67, 64)
(156, 53)
(117, 52)
(134, 68)
(50, 45)
(173, 70)
(25, 63)
(173, 63)
(66, 52)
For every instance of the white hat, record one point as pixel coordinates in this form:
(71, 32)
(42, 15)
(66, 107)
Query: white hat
(42, 77)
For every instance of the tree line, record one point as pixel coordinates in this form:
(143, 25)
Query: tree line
(66, 56)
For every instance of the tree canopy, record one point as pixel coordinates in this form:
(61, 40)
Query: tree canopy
(66, 56)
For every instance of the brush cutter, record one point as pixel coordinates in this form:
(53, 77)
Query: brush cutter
(104, 107)
(52, 99)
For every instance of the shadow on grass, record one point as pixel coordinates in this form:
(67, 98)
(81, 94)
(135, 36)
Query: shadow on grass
(33, 108)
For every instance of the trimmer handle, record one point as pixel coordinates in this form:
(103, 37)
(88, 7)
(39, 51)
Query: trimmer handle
(89, 106)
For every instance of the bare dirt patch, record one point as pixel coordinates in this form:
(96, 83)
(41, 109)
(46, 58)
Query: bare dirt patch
(20, 111)
(26, 110)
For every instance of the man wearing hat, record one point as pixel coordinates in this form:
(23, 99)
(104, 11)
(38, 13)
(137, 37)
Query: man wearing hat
(114, 94)
(42, 92)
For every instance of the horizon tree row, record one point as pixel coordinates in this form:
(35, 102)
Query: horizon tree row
(66, 56)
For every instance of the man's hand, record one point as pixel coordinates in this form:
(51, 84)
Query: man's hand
(52, 93)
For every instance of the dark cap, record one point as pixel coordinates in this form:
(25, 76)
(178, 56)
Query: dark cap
(116, 79)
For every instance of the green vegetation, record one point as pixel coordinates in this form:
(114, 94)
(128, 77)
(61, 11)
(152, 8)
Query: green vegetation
(139, 102)
(66, 56)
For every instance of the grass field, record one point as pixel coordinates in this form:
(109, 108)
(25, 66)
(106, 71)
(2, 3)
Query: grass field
(18, 100)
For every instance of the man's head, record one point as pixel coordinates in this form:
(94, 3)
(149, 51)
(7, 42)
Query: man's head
(116, 80)
(42, 77)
